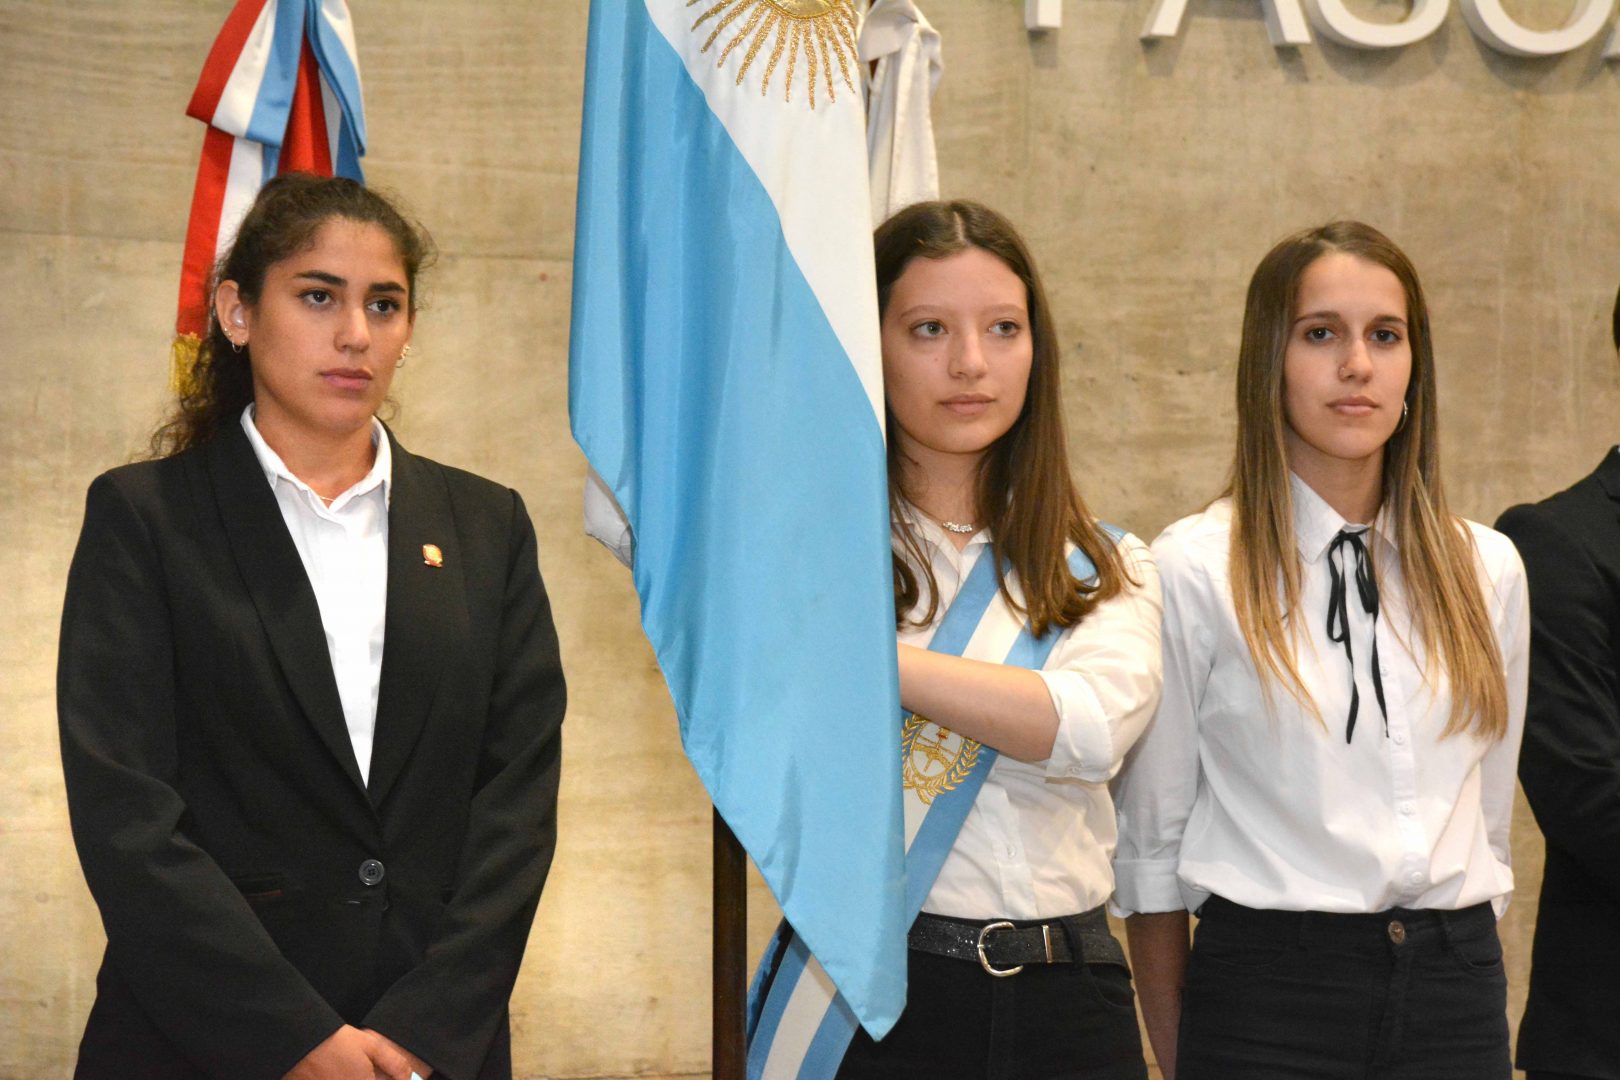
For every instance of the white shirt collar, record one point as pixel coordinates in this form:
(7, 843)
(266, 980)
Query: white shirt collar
(380, 475)
(1316, 523)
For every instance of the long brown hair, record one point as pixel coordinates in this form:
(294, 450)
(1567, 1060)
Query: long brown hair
(1026, 495)
(1437, 556)
(282, 221)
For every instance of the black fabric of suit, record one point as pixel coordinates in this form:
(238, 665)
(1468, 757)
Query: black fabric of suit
(1570, 768)
(216, 802)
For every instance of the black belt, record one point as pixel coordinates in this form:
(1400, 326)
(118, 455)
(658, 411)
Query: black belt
(1003, 946)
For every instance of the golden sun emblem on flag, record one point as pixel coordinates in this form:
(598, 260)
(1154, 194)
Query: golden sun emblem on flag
(933, 764)
(823, 31)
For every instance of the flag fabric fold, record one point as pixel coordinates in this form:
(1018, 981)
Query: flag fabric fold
(280, 92)
(725, 382)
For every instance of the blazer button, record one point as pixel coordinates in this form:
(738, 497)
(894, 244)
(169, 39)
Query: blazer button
(371, 872)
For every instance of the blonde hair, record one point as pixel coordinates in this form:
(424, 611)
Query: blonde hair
(1437, 555)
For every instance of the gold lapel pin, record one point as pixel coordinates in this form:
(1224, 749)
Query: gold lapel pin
(432, 556)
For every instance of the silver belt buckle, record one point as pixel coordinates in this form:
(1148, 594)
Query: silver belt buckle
(984, 961)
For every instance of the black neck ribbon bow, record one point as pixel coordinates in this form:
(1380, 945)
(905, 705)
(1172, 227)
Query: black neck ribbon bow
(1338, 619)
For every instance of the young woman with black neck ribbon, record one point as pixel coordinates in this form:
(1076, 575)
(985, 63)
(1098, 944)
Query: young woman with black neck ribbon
(1329, 779)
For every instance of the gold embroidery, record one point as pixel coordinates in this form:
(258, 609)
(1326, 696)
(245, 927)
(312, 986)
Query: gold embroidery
(793, 60)
(823, 30)
(934, 763)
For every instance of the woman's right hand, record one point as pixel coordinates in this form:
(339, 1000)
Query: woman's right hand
(351, 1054)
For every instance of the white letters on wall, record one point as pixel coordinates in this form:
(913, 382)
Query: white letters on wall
(1287, 25)
(1494, 25)
(1336, 20)
(1043, 14)
(1285, 21)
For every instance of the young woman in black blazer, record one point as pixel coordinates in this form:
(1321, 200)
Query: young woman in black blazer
(309, 695)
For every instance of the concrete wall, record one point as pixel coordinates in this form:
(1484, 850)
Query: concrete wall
(1150, 179)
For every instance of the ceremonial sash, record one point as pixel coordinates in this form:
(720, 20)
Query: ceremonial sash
(798, 1025)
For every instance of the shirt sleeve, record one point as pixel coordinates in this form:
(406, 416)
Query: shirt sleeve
(1104, 677)
(1511, 607)
(1154, 793)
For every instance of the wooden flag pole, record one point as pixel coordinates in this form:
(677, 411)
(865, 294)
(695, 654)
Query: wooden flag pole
(730, 952)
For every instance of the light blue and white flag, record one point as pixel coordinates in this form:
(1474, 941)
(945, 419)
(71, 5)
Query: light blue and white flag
(725, 382)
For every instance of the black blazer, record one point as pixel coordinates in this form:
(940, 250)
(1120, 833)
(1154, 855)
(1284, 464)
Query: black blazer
(1570, 769)
(255, 893)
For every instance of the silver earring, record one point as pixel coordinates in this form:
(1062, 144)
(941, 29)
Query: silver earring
(236, 346)
(1404, 410)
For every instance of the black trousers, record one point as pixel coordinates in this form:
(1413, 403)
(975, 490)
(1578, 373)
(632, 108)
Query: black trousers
(1398, 995)
(1068, 1021)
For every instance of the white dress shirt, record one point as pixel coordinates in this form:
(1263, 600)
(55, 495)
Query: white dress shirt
(1037, 840)
(1271, 808)
(344, 548)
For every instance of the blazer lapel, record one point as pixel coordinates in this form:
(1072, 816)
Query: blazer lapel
(275, 578)
(426, 627)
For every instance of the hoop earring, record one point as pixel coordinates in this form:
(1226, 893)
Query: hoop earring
(1404, 410)
(236, 346)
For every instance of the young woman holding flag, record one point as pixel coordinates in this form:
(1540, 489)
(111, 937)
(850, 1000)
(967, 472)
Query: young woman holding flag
(1329, 779)
(1029, 663)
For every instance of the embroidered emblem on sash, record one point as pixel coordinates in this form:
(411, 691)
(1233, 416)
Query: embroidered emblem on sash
(934, 759)
(823, 31)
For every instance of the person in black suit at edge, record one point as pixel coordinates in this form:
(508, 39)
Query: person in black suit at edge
(1570, 769)
(309, 695)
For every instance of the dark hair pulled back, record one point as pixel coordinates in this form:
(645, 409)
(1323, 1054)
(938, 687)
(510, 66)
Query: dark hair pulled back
(282, 221)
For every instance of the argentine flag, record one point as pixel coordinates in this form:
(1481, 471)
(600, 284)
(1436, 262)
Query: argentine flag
(725, 381)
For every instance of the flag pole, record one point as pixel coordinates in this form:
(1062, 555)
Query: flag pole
(730, 952)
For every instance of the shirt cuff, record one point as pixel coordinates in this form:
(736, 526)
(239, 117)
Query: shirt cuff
(1084, 746)
(1143, 886)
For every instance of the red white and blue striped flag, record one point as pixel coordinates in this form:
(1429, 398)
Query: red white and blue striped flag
(280, 92)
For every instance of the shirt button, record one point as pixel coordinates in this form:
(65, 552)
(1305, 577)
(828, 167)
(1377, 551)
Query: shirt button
(1407, 808)
(1397, 931)
(1400, 738)
(1012, 852)
(1416, 879)
(371, 872)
